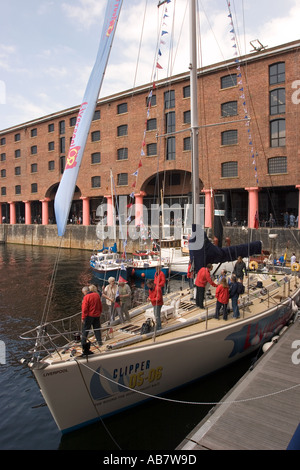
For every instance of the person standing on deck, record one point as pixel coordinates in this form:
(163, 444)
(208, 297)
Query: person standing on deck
(156, 298)
(160, 278)
(109, 293)
(91, 309)
(203, 277)
(293, 259)
(222, 296)
(235, 290)
(190, 276)
(240, 268)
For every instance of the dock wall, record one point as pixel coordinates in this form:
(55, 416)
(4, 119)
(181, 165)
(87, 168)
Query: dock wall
(85, 237)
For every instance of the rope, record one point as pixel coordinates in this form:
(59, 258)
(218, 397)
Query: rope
(184, 402)
(105, 427)
(51, 286)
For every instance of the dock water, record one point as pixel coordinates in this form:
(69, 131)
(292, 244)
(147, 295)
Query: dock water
(262, 411)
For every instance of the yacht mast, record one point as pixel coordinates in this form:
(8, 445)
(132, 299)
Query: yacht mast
(194, 112)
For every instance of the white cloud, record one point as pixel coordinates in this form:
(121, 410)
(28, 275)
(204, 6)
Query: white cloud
(282, 29)
(86, 13)
(46, 69)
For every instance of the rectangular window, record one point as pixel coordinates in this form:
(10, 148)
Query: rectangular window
(229, 109)
(169, 97)
(73, 121)
(34, 188)
(50, 127)
(151, 124)
(122, 108)
(95, 136)
(3, 141)
(33, 150)
(122, 179)
(3, 157)
(229, 80)
(17, 153)
(3, 191)
(50, 146)
(229, 169)
(95, 158)
(187, 143)
(17, 170)
(151, 100)
(277, 133)
(277, 73)
(18, 189)
(62, 127)
(96, 181)
(96, 116)
(187, 117)
(33, 132)
(186, 91)
(170, 155)
(62, 161)
(18, 137)
(62, 144)
(51, 165)
(122, 154)
(34, 168)
(277, 101)
(3, 173)
(122, 130)
(277, 165)
(170, 122)
(229, 137)
(151, 149)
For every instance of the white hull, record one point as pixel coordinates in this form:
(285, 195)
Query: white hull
(79, 391)
(179, 265)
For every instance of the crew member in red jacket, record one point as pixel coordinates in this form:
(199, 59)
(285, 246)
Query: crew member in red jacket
(203, 277)
(222, 295)
(156, 298)
(91, 309)
(159, 278)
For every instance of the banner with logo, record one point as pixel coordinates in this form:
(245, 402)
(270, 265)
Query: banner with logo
(64, 195)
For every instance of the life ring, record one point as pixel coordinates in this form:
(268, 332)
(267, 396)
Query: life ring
(295, 267)
(253, 265)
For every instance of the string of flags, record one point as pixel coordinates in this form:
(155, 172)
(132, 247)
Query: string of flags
(158, 66)
(241, 89)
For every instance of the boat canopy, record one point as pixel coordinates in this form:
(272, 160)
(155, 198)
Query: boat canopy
(210, 253)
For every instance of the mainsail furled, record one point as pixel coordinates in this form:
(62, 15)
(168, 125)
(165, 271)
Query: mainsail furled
(64, 195)
(207, 252)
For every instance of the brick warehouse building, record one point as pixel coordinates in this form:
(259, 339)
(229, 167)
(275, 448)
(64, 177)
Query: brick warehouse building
(250, 169)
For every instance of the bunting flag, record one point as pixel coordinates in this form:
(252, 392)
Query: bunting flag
(241, 91)
(162, 43)
(123, 274)
(64, 195)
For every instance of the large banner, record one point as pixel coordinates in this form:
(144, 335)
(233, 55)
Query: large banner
(64, 195)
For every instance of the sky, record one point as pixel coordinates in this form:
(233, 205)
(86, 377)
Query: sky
(48, 47)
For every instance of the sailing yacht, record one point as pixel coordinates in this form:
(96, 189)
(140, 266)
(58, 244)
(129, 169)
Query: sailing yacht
(135, 363)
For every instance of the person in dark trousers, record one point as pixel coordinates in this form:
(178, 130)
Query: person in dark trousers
(235, 290)
(203, 277)
(240, 268)
(222, 296)
(190, 276)
(91, 310)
